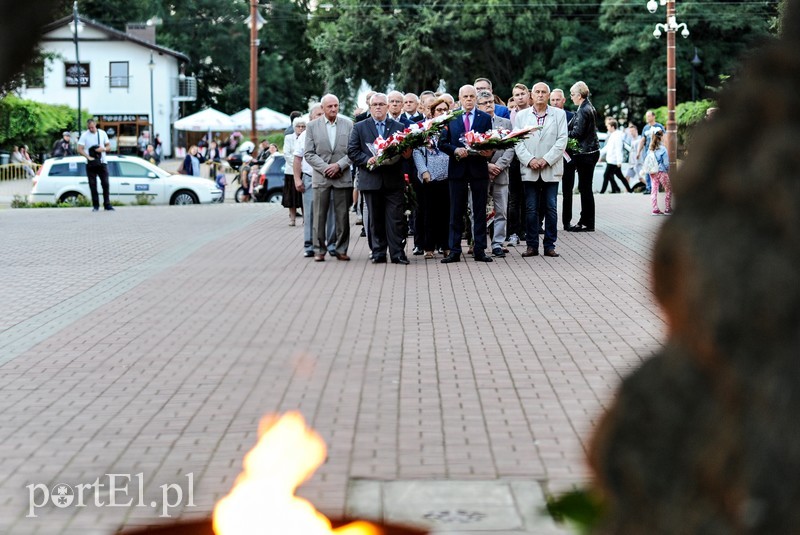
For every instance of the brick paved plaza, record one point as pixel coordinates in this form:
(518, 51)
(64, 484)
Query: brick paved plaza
(152, 340)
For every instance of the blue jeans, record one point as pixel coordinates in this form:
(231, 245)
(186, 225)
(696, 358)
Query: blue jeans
(532, 192)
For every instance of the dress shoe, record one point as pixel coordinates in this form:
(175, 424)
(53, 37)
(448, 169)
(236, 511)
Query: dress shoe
(530, 251)
(110, 209)
(452, 257)
(319, 258)
(470, 251)
(483, 258)
(498, 252)
(580, 228)
(95, 209)
(363, 232)
(341, 256)
(418, 251)
(308, 254)
(379, 260)
(551, 253)
(401, 260)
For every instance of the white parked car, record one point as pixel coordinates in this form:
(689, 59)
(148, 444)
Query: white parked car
(64, 180)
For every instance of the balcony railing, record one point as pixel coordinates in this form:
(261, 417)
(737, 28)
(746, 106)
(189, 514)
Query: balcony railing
(185, 88)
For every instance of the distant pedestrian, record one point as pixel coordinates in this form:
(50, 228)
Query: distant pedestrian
(614, 155)
(661, 176)
(93, 145)
(21, 156)
(647, 137)
(191, 164)
(151, 156)
(62, 146)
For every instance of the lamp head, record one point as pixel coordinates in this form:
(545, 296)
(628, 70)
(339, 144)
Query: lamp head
(656, 33)
(652, 6)
(685, 33)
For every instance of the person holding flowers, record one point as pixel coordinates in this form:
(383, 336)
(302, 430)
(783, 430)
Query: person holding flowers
(467, 171)
(381, 180)
(541, 158)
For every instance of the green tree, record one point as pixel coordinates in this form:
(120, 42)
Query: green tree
(213, 35)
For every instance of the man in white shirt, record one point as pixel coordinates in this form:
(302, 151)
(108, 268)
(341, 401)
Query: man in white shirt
(97, 142)
(614, 158)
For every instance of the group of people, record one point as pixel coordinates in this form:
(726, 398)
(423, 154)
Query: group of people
(335, 166)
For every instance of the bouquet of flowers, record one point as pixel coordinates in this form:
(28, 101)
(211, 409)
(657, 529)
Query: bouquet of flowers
(495, 139)
(387, 151)
(573, 147)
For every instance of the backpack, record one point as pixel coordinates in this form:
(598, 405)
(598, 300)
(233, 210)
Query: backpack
(650, 165)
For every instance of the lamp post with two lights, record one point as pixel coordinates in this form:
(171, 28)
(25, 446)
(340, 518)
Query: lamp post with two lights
(671, 27)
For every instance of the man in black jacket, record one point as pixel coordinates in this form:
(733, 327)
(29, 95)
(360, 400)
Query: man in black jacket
(62, 146)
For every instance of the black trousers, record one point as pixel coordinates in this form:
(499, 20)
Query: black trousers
(387, 223)
(516, 202)
(608, 179)
(93, 173)
(433, 216)
(584, 167)
(567, 187)
(459, 190)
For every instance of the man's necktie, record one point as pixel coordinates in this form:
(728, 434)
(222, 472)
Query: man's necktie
(380, 129)
(466, 122)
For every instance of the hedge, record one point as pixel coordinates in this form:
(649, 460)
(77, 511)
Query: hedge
(33, 123)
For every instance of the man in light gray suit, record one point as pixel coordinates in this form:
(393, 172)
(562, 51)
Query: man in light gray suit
(326, 152)
(541, 160)
(498, 175)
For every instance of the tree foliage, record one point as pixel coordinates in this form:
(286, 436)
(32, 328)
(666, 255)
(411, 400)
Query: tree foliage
(34, 124)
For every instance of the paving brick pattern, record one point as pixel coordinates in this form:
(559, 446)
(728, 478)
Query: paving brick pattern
(153, 340)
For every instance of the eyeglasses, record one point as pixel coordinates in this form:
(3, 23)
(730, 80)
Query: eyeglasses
(443, 110)
(378, 104)
(482, 104)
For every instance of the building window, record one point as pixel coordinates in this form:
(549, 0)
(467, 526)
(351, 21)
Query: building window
(118, 74)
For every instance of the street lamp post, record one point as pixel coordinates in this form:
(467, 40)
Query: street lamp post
(77, 57)
(670, 28)
(152, 67)
(696, 61)
(255, 21)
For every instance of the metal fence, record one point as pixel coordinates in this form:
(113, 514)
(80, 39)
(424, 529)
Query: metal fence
(18, 171)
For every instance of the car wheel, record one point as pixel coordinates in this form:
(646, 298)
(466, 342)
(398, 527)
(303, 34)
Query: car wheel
(184, 197)
(73, 198)
(275, 197)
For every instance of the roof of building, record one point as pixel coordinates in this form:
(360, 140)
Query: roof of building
(115, 35)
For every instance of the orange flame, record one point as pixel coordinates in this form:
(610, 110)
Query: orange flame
(262, 499)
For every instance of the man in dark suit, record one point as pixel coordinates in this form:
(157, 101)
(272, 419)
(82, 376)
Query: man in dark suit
(382, 186)
(467, 172)
(411, 112)
(557, 100)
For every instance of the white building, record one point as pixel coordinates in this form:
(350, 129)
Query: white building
(115, 80)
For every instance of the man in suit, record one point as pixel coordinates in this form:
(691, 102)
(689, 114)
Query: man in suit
(364, 114)
(395, 105)
(541, 158)
(410, 113)
(557, 100)
(382, 186)
(466, 172)
(484, 84)
(498, 175)
(326, 152)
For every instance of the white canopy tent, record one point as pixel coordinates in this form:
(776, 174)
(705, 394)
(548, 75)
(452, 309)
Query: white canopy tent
(266, 119)
(206, 121)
